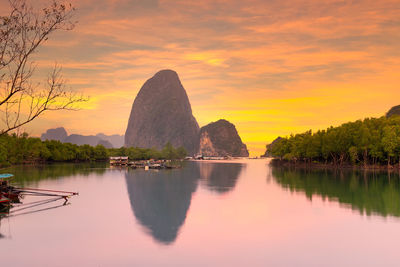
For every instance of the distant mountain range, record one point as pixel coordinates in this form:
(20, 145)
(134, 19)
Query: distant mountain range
(60, 134)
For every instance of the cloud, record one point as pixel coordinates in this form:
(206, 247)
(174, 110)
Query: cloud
(271, 67)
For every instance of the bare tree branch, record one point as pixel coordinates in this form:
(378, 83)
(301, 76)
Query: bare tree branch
(21, 33)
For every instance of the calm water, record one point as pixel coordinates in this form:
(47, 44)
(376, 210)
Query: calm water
(242, 213)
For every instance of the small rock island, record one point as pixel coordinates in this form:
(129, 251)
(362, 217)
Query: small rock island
(220, 139)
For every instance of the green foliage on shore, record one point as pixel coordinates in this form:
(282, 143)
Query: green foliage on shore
(23, 149)
(369, 142)
(137, 153)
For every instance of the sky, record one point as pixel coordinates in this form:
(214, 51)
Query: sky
(270, 67)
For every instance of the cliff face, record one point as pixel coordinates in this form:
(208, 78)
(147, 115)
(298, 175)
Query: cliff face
(269, 146)
(59, 134)
(394, 111)
(221, 139)
(162, 113)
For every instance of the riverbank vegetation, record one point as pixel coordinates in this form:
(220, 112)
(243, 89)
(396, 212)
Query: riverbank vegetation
(137, 153)
(371, 142)
(368, 192)
(22, 149)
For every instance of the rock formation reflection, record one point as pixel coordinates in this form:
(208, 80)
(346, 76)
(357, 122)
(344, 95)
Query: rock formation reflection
(220, 177)
(160, 199)
(366, 192)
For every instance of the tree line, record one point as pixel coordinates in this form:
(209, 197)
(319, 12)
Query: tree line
(22, 149)
(368, 192)
(372, 141)
(137, 153)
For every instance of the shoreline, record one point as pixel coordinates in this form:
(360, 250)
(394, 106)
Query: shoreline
(321, 166)
(45, 163)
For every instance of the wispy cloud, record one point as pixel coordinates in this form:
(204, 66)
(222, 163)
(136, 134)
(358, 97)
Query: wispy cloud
(271, 67)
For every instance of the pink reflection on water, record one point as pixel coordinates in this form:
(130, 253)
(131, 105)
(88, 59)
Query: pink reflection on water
(255, 223)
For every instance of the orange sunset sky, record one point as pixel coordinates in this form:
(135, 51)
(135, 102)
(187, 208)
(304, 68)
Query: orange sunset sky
(270, 67)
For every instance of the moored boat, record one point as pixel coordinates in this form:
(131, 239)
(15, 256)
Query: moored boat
(10, 199)
(4, 201)
(6, 190)
(13, 196)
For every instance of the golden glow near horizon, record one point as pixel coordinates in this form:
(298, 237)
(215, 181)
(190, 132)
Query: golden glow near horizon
(270, 67)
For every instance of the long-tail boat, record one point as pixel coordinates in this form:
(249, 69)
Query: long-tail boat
(7, 194)
(10, 194)
(4, 200)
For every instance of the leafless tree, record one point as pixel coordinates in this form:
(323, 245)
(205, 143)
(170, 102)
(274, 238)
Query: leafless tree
(21, 32)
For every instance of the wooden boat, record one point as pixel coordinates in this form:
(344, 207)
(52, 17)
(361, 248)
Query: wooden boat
(10, 204)
(13, 196)
(4, 201)
(12, 193)
(8, 191)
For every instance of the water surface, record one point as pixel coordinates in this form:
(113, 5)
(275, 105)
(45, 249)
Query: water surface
(233, 213)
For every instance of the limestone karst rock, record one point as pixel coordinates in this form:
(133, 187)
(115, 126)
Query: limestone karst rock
(161, 113)
(221, 139)
(58, 134)
(394, 111)
(270, 146)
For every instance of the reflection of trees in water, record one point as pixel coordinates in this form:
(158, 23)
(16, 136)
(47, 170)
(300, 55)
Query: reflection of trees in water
(220, 177)
(161, 199)
(365, 191)
(30, 174)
